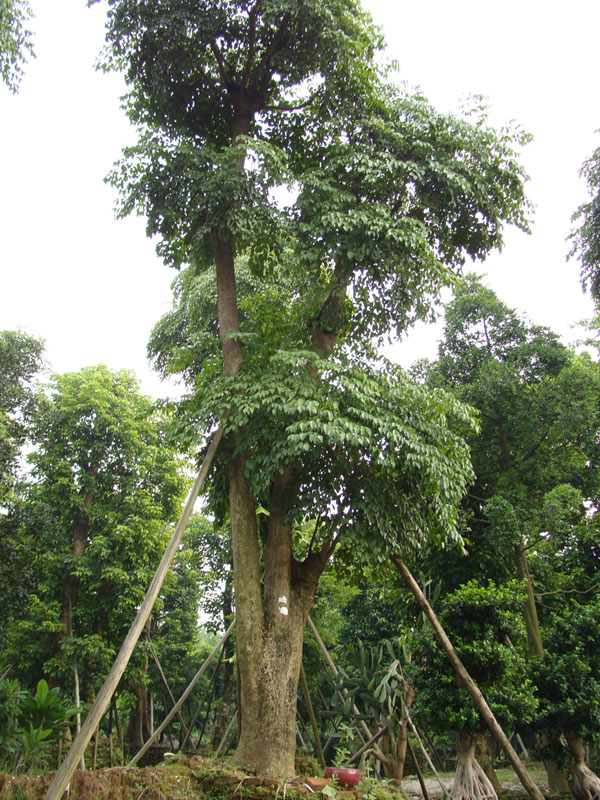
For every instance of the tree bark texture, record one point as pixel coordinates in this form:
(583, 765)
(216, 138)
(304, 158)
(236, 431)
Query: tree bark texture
(534, 637)
(270, 632)
(482, 753)
(470, 781)
(583, 783)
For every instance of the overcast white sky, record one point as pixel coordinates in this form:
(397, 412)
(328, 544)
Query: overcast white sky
(93, 288)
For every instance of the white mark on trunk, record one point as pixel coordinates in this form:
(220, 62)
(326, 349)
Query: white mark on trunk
(282, 601)
(283, 610)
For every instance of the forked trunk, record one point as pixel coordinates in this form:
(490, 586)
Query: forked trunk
(267, 743)
(583, 783)
(470, 781)
(270, 629)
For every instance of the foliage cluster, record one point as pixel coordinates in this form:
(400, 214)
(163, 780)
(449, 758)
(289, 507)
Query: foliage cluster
(29, 723)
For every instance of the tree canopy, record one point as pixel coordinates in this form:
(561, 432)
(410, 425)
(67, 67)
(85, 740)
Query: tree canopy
(105, 483)
(317, 208)
(586, 234)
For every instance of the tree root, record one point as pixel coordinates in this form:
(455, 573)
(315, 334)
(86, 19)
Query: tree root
(470, 781)
(583, 783)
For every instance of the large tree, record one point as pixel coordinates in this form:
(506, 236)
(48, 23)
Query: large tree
(536, 451)
(387, 197)
(20, 364)
(105, 483)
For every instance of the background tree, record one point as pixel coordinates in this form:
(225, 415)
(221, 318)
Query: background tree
(586, 234)
(535, 458)
(106, 485)
(568, 688)
(233, 100)
(486, 627)
(20, 363)
(538, 407)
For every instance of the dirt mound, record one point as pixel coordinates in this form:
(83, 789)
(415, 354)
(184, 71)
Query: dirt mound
(177, 781)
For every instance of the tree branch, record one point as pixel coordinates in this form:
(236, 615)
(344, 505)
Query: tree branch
(535, 448)
(568, 591)
(221, 64)
(276, 41)
(298, 107)
(314, 533)
(251, 44)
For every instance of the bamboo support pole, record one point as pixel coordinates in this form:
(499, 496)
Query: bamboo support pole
(430, 763)
(69, 765)
(226, 734)
(169, 692)
(183, 697)
(469, 684)
(313, 719)
(420, 778)
(336, 673)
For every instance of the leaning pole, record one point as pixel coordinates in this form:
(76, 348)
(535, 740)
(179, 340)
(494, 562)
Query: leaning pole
(65, 773)
(469, 684)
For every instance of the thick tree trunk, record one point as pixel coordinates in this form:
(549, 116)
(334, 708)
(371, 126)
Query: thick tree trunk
(583, 783)
(470, 781)
(270, 637)
(138, 728)
(534, 637)
(268, 739)
(485, 762)
(557, 779)
(269, 628)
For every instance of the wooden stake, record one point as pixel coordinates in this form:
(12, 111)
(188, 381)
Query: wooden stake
(334, 669)
(69, 765)
(420, 778)
(226, 734)
(313, 719)
(469, 684)
(183, 697)
(169, 692)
